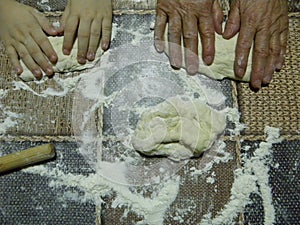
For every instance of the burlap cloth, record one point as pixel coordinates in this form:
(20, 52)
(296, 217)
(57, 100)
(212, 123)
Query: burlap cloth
(276, 105)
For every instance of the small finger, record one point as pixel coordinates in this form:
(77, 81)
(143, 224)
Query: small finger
(106, 32)
(273, 58)
(94, 39)
(260, 57)
(70, 32)
(174, 39)
(283, 42)
(233, 23)
(207, 36)
(159, 30)
(83, 40)
(190, 40)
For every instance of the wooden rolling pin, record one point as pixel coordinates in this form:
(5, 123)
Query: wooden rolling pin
(26, 157)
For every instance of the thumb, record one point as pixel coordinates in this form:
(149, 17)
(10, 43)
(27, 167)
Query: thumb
(45, 23)
(233, 23)
(64, 18)
(218, 16)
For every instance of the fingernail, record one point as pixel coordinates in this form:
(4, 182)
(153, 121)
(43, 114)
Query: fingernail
(81, 60)
(192, 69)
(66, 51)
(37, 73)
(53, 58)
(91, 56)
(105, 46)
(257, 84)
(267, 79)
(278, 66)
(208, 60)
(240, 72)
(17, 70)
(49, 71)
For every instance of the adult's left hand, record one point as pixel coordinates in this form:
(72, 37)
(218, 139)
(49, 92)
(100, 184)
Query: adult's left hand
(188, 19)
(263, 24)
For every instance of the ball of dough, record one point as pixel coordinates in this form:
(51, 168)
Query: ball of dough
(65, 63)
(179, 128)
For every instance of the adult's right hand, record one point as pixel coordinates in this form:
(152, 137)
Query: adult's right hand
(23, 31)
(263, 24)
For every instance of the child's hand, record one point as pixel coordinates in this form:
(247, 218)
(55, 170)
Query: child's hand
(90, 21)
(22, 30)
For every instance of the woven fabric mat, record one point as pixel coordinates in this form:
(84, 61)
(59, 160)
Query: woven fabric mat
(277, 105)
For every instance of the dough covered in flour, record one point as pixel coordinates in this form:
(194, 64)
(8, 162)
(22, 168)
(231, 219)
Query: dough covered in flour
(222, 66)
(179, 128)
(65, 63)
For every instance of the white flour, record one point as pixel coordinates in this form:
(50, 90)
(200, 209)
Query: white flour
(251, 178)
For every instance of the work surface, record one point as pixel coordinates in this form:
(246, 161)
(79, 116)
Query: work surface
(30, 197)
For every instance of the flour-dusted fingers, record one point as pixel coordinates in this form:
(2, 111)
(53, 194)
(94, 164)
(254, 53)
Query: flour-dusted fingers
(83, 39)
(244, 43)
(207, 35)
(106, 32)
(159, 30)
(174, 40)
(190, 40)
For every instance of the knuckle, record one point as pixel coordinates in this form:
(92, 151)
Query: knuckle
(190, 35)
(251, 20)
(263, 52)
(275, 50)
(245, 43)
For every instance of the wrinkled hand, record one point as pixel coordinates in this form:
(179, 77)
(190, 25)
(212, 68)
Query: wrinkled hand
(186, 18)
(22, 30)
(264, 23)
(90, 21)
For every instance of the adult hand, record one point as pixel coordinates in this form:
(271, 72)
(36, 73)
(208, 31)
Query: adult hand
(22, 30)
(90, 21)
(263, 24)
(186, 18)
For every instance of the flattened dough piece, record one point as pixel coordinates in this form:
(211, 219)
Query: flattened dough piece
(222, 66)
(65, 63)
(179, 128)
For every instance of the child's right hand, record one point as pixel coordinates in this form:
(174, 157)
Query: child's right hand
(23, 31)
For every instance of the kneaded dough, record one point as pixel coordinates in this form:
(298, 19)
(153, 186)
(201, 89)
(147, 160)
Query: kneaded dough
(222, 66)
(179, 128)
(65, 63)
